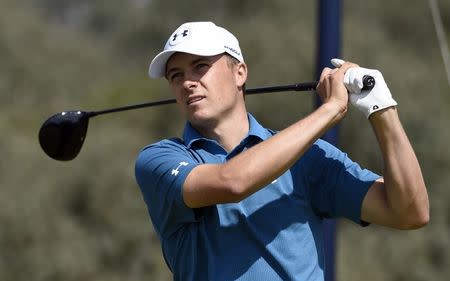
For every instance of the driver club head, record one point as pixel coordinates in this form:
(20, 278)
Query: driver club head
(62, 135)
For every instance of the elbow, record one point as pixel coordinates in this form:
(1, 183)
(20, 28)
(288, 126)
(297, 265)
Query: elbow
(236, 191)
(416, 220)
(423, 221)
(234, 188)
(238, 184)
(417, 214)
(422, 218)
(421, 213)
(417, 223)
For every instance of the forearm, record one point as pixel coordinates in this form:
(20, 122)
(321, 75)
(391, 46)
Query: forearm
(265, 162)
(406, 195)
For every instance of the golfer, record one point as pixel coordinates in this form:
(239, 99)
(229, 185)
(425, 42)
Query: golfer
(232, 200)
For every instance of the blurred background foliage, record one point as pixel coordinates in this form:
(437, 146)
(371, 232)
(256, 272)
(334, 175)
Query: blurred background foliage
(86, 220)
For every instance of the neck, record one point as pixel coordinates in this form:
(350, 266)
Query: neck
(228, 132)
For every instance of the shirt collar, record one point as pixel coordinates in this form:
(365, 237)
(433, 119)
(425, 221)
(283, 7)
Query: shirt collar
(191, 135)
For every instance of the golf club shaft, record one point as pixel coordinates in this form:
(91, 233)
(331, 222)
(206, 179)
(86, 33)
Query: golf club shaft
(368, 83)
(307, 86)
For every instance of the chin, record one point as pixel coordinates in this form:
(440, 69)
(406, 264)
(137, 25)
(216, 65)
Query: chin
(200, 119)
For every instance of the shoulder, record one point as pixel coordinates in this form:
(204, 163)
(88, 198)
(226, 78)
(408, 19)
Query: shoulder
(172, 143)
(164, 161)
(164, 149)
(168, 145)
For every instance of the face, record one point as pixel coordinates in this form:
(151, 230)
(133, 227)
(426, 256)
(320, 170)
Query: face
(206, 88)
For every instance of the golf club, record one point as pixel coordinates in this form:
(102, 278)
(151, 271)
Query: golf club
(63, 134)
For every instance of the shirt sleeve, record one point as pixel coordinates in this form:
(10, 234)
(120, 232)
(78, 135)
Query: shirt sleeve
(337, 185)
(160, 171)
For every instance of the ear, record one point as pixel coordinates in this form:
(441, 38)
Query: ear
(241, 74)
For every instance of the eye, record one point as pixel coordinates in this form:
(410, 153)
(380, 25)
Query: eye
(175, 76)
(202, 66)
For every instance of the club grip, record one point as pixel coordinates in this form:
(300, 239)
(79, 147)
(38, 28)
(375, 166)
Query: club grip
(368, 82)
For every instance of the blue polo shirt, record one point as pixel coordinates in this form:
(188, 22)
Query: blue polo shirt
(274, 234)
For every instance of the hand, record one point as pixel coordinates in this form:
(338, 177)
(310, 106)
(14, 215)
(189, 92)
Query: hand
(331, 88)
(367, 101)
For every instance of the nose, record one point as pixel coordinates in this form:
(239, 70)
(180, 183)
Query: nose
(190, 82)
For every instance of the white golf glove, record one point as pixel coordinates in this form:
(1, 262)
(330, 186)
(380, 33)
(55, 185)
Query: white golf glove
(367, 101)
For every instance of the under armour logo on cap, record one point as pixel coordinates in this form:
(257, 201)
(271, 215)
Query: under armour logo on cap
(197, 38)
(179, 36)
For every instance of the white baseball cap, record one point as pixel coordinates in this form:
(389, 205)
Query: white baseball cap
(197, 38)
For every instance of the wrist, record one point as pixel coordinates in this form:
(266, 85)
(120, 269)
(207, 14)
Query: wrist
(384, 115)
(386, 123)
(334, 110)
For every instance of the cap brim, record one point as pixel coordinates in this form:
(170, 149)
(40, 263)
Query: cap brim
(157, 67)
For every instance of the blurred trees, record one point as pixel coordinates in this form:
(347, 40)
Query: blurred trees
(85, 219)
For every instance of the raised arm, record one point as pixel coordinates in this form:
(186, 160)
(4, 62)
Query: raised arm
(256, 167)
(400, 200)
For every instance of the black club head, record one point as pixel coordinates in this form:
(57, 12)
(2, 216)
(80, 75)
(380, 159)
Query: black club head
(62, 135)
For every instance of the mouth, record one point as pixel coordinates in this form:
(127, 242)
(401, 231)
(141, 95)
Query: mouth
(195, 99)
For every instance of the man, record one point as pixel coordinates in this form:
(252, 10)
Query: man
(235, 201)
